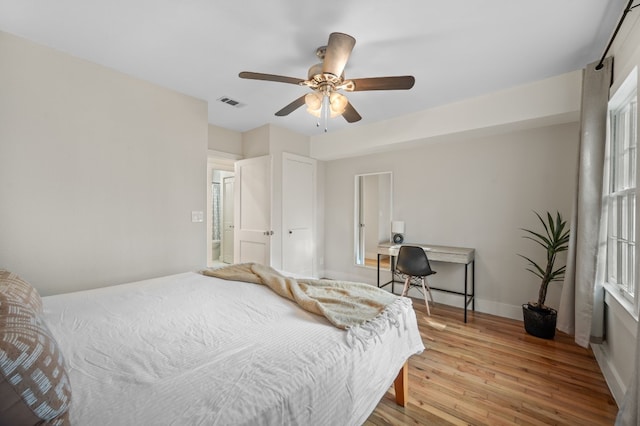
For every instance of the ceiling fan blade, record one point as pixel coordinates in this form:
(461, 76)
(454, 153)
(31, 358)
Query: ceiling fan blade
(350, 114)
(337, 54)
(291, 107)
(269, 77)
(381, 83)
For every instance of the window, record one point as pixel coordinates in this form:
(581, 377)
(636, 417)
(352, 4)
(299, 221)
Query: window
(621, 189)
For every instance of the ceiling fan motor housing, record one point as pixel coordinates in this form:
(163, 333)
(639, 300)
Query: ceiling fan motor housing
(316, 79)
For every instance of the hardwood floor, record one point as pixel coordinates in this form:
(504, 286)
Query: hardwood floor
(373, 262)
(491, 372)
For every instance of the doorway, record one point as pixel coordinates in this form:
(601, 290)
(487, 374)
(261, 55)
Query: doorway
(220, 226)
(228, 182)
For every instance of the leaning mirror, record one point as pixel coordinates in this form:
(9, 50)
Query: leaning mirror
(372, 217)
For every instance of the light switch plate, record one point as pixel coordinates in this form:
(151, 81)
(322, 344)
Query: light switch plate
(197, 216)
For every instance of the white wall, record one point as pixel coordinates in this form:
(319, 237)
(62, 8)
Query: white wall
(99, 172)
(473, 192)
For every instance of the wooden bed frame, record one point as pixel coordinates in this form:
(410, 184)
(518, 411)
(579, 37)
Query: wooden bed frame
(401, 385)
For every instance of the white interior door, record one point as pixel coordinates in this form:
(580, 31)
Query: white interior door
(227, 219)
(298, 214)
(252, 211)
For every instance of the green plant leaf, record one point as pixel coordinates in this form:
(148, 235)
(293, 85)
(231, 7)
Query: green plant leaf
(551, 232)
(539, 272)
(541, 239)
(554, 240)
(539, 275)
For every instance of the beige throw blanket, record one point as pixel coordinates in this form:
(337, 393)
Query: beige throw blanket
(347, 305)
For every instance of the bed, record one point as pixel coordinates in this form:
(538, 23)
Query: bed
(190, 349)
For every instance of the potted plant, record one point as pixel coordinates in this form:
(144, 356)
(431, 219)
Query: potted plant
(540, 320)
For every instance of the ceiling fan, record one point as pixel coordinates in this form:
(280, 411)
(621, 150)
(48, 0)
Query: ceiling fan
(326, 79)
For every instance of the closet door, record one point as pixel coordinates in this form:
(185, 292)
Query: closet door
(298, 214)
(252, 210)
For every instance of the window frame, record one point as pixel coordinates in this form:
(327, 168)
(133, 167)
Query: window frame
(621, 186)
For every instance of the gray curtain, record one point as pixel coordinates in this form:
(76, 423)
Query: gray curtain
(582, 301)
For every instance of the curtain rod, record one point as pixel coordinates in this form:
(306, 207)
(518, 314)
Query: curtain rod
(627, 9)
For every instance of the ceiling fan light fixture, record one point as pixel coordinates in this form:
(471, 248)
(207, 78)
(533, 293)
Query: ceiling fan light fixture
(338, 103)
(313, 101)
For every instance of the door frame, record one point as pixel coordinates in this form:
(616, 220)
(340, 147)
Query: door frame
(227, 201)
(216, 160)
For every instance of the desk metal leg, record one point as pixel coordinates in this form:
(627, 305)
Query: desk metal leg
(466, 293)
(473, 284)
(393, 276)
(392, 260)
(466, 288)
(469, 297)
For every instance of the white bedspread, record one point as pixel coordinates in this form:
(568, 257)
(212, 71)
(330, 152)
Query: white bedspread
(194, 350)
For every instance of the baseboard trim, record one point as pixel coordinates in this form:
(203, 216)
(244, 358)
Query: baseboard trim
(611, 376)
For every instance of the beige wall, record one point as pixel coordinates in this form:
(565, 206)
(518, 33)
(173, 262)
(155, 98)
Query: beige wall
(466, 174)
(270, 139)
(224, 140)
(99, 172)
(475, 192)
(554, 100)
(274, 140)
(616, 355)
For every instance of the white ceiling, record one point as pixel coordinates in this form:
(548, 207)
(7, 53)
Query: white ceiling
(455, 49)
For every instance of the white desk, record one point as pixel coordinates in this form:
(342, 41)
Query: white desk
(461, 255)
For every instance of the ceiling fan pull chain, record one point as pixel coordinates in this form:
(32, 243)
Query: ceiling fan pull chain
(325, 111)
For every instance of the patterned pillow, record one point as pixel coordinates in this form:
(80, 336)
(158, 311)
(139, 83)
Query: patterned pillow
(16, 289)
(34, 386)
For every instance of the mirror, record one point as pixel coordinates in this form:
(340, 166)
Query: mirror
(372, 217)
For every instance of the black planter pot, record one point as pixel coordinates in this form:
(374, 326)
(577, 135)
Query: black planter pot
(540, 322)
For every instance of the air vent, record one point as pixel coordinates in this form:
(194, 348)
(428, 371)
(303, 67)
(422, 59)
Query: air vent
(227, 100)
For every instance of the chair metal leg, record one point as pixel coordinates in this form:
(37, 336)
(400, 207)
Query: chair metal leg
(426, 300)
(405, 289)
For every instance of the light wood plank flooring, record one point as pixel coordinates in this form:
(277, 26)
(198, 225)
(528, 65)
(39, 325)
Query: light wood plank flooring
(491, 372)
(373, 262)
